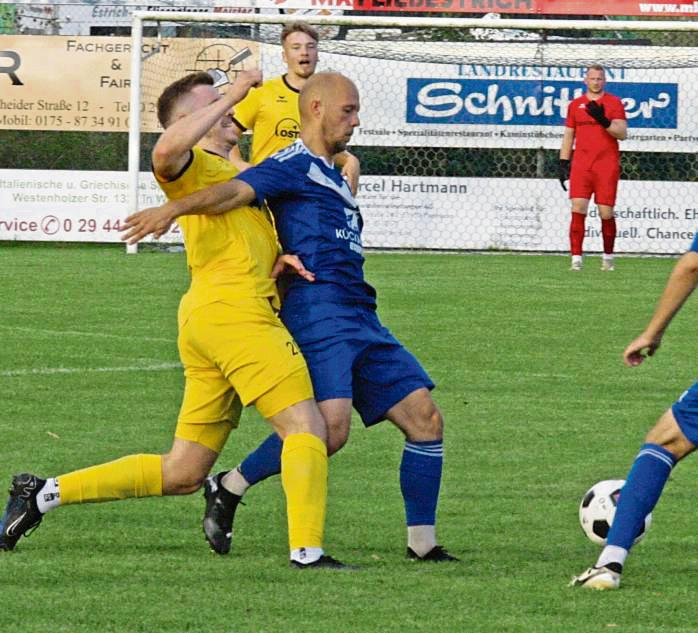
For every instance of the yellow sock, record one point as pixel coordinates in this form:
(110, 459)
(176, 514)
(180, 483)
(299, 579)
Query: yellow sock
(304, 478)
(131, 476)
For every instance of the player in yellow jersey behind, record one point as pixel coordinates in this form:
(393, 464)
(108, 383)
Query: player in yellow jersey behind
(234, 348)
(271, 111)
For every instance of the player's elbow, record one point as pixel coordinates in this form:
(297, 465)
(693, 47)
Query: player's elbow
(162, 151)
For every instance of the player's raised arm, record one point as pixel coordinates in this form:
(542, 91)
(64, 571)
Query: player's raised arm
(213, 200)
(185, 128)
(682, 282)
(617, 128)
(350, 168)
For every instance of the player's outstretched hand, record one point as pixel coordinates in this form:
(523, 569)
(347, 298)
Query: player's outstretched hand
(293, 264)
(596, 112)
(563, 172)
(642, 347)
(155, 220)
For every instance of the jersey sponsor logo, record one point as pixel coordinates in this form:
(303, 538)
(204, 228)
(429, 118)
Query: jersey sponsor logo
(352, 237)
(352, 218)
(352, 233)
(288, 129)
(493, 101)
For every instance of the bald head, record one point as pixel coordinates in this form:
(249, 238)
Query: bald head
(324, 88)
(329, 108)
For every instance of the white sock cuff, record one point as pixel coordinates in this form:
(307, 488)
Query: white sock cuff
(612, 554)
(49, 497)
(306, 555)
(234, 482)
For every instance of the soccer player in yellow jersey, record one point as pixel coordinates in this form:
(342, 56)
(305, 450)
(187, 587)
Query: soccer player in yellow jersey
(234, 348)
(271, 111)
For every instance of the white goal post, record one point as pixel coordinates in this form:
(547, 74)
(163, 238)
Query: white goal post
(462, 119)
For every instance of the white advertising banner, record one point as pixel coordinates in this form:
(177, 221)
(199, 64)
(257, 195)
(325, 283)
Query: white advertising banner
(487, 105)
(399, 212)
(404, 103)
(68, 206)
(519, 214)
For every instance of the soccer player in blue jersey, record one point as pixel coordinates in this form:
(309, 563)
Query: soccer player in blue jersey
(353, 359)
(673, 437)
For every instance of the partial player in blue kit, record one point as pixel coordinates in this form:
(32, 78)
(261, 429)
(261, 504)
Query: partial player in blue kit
(354, 361)
(673, 437)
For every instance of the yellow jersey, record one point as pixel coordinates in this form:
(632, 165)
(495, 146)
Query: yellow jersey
(230, 255)
(271, 112)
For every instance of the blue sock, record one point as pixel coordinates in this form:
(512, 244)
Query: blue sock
(640, 494)
(264, 461)
(420, 480)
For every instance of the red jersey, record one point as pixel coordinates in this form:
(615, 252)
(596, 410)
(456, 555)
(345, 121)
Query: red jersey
(591, 141)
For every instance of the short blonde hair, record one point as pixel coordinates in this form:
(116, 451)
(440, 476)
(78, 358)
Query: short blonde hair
(299, 27)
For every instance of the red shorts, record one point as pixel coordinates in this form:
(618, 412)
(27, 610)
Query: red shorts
(600, 178)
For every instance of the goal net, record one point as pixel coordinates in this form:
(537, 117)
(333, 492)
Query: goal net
(462, 119)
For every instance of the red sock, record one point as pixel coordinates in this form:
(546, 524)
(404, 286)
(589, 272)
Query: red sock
(608, 231)
(577, 233)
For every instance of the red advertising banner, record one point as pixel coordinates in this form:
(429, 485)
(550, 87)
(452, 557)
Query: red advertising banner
(536, 7)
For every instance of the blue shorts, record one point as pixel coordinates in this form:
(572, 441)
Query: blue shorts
(351, 355)
(685, 410)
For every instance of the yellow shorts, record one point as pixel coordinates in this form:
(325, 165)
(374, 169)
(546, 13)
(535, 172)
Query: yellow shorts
(235, 354)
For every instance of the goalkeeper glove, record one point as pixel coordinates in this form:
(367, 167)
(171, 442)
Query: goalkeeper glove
(595, 111)
(564, 171)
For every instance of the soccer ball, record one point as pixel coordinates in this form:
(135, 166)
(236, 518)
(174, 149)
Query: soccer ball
(598, 507)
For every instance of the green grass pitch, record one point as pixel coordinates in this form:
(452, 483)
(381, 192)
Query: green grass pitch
(537, 403)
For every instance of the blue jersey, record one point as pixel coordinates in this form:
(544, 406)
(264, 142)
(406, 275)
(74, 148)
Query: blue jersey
(317, 219)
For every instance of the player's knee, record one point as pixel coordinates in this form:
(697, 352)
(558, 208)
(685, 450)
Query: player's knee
(336, 439)
(427, 424)
(435, 423)
(667, 434)
(181, 478)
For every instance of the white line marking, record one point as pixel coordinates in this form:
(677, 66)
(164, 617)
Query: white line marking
(47, 371)
(126, 337)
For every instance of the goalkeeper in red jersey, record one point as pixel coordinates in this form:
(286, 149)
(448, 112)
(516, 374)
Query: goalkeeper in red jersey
(595, 123)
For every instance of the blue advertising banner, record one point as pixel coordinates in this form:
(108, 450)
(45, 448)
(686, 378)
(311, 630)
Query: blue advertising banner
(493, 101)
